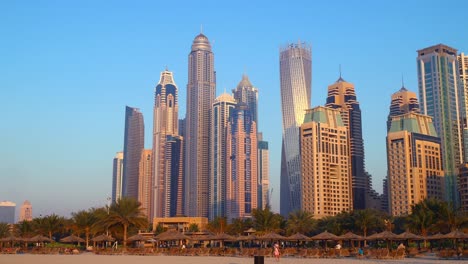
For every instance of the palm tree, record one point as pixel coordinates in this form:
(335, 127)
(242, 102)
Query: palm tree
(49, 224)
(266, 221)
(4, 230)
(367, 219)
(24, 229)
(300, 222)
(218, 225)
(237, 226)
(124, 213)
(193, 228)
(83, 221)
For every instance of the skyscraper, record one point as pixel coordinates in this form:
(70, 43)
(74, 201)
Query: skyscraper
(133, 147)
(165, 124)
(247, 94)
(145, 183)
(200, 98)
(295, 80)
(174, 187)
(241, 181)
(326, 171)
(7, 212)
(463, 71)
(26, 212)
(117, 175)
(222, 109)
(342, 96)
(414, 162)
(263, 178)
(403, 102)
(441, 97)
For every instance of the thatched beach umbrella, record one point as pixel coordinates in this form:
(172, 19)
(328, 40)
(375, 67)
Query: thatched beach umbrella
(171, 235)
(40, 238)
(456, 234)
(298, 237)
(247, 238)
(10, 238)
(325, 236)
(72, 239)
(385, 235)
(350, 236)
(271, 236)
(409, 236)
(137, 237)
(437, 236)
(103, 238)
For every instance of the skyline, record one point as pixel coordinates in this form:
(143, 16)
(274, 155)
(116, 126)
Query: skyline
(63, 80)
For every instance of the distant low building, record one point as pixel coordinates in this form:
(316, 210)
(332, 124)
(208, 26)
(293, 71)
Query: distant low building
(7, 212)
(181, 223)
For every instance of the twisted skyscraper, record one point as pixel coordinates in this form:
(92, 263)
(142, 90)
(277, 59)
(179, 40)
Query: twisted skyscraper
(296, 79)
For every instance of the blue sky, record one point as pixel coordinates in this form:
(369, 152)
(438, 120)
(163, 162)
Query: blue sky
(69, 68)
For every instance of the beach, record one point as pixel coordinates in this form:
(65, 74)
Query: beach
(90, 258)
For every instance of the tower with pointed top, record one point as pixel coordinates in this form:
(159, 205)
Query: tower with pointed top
(342, 96)
(200, 98)
(223, 107)
(403, 101)
(246, 93)
(165, 128)
(295, 83)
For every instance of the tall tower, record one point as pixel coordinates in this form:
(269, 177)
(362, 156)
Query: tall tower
(7, 212)
(117, 176)
(263, 177)
(414, 162)
(200, 98)
(241, 181)
(133, 147)
(342, 96)
(326, 171)
(174, 187)
(441, 97)
(463, 70)
(295, 79)
(403, 102)
(145, 183)
(247, 94)
(222, 109)
(26, 212)
(165, 123)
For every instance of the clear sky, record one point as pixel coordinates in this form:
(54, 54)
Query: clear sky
(68, 68)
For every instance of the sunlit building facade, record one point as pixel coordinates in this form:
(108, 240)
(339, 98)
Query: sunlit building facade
(241, 154)
(117, 175)
(263, 178)
(26, 212)
(222, 109)
(295, 86)
(201, 89)
(7, 212)
(145, 183)
(441, 97)
(165, 124)
(326, 170)
(133, 147)
(414, 162)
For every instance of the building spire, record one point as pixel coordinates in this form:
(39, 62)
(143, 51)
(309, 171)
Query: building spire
(201, 28)
(340, 70)
(402, 81)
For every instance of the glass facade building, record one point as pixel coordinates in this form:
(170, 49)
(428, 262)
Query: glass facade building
(441, 97)
(295, 83)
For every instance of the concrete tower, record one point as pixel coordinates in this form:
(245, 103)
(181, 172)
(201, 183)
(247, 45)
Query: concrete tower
(200, 98)
(117, 175)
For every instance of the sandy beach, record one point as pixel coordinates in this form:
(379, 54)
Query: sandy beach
(89, 258)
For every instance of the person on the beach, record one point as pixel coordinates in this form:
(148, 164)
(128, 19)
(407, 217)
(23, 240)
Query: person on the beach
(276, 252)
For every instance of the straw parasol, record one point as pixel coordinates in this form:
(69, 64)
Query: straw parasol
(72, 239)
(247, 238)
(171, 235)
(325, 236)
(10, 238)
(298, 237)
(409, 236)
(436, 236)
(385, 235)
(223, 237)
(271, 236)
(103, 238)
(456, 234)
(351, 236)
(40, 238)
(137, 237)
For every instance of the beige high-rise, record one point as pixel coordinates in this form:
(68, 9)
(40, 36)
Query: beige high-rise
(145, 182)
(414, 162)
(325, 163)
(463, 69)
(26, 212)
(200, 98)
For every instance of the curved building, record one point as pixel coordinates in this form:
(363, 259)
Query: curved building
(200, 98)
(295, 79)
